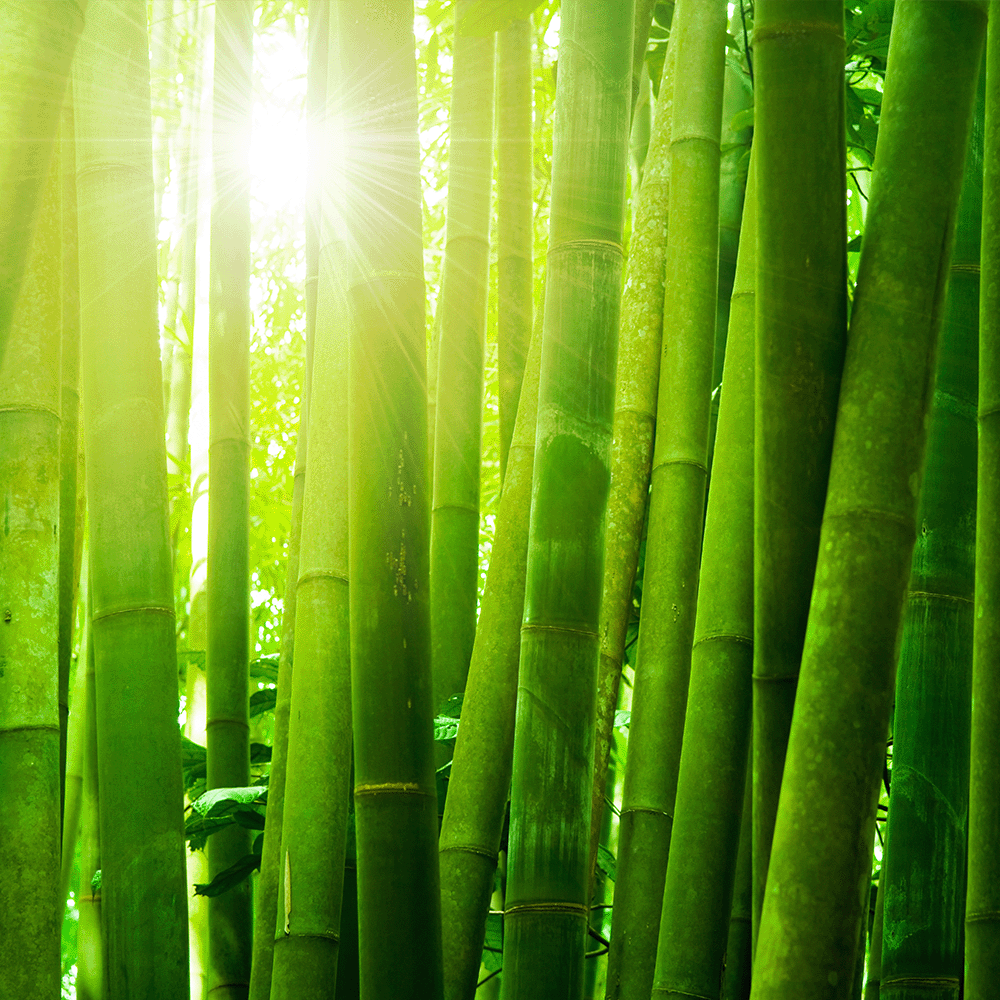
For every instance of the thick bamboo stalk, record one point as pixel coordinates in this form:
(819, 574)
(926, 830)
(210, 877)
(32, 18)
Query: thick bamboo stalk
(820, 860)
(229, 916)
(514, 222)
(982, 906)
(389, 510)
(704, 840)
(548, 880)
(266, 895)
(143, 906)
(480, 770)
(30, 386)
(873, 979)
(37, 42)
(677, 502)
(923, 867)
(801, 334)
(458, 429)
(639, 342)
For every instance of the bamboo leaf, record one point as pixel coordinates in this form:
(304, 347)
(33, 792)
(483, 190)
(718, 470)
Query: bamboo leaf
(232, 876)
(262, 701)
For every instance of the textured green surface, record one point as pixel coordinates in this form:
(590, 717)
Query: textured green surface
(394, 791)
(480, 771)
(923, 868)
(30, 830)
(704, 841)
(677, 502)
(739, 949)
(228, 581)
(639, 338)
(982, 915)
(801, 335)
(143, 896)
(37, 41)
(819, 873)
(514, 222)
(457, 434)
(548, 881)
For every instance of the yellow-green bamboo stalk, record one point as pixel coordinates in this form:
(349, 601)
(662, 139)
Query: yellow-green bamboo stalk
(317, 783)
(480, 771)
(266, 894)
(982, 906)
(143, 905)
(458, 428)
(228, 582)
(30, 385)
(548, 885)
(37, 41)
(819, 869)
(514, 221)
(394, 791)
(639, 341)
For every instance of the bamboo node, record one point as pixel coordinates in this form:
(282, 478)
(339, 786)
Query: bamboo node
(572, 629)
(568, 245)
(392, 787)
(669, 991)
(922, 982)
(470, 849)
(546, 907)
(982, 916)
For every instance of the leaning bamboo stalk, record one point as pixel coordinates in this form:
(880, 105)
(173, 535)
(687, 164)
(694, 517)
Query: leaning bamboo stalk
(704, 840)
(820, 859)
(143, 906)
(677, 501)
(480, 771)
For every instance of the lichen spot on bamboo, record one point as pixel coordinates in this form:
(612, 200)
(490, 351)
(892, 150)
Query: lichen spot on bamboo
(398, 566)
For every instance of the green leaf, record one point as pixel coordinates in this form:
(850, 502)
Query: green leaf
(493, 944)
(258, 844)
(197, 829)
(623, 719)
(445, 729)
(266, 667)
(741, 120)
(606, 863)
(854, 245)
(263, 701)
(231, 877)
(219, 801)
(249, 819)
(452, 708)
(95, 882)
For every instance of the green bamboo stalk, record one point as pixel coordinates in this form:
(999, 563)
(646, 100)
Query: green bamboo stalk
(801, 334)
(677, 503)
(481, 767)
(820, 865)
(548, 878)
(458, 429)
(704, 840)
(739, 950)
(639, 342)
(923, 867)
(318, 770)
(229, 915)
(30, 385)
(90, 948)
(37, 42)
(143, 906)
(389, 510)
(873, 982)
(982, 905)
(69, 440)
(72, 785)
(642, 23)
(266, 895)
(515, 267)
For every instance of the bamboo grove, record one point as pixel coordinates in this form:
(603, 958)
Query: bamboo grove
(559, 558)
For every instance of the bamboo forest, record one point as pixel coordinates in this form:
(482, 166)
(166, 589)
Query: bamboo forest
(500, 499)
